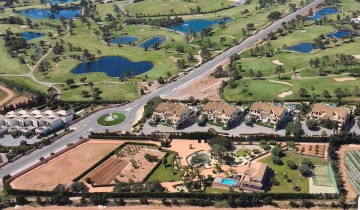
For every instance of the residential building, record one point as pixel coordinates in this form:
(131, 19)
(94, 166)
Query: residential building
(254, 177)
(40, 121)
(355, 20)
(323, 111)
(220, 113)
(172, 114)
(268, 113)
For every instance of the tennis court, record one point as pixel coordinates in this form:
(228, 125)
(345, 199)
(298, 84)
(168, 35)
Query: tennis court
(321, 176)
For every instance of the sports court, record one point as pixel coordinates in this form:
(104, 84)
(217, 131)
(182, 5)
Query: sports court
(322, 180)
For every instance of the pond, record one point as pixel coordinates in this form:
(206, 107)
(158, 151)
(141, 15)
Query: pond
(124, 40)
(58, 1)
(323, 12)
(153, 40)
(45, 13)
(198, 158)
(196, 25)
(339, 34)
(114, 66)
(28, 35)
(303, 47)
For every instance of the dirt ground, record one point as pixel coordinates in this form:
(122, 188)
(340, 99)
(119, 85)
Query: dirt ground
(204, 87)
(341, 153)
(183, 148)
(65, 167)
(344, 79)
(9, 95)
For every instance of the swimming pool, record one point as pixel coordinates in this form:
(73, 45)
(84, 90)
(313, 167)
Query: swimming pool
(230, 182)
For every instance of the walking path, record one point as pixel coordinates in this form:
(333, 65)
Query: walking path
(9, 95)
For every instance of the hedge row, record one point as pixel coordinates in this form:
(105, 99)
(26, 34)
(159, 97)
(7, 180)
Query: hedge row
(122, 137)
(154, 168)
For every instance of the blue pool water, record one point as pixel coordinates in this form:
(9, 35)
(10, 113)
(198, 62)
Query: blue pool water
(323, 12)
(113, 66)
(302, 48)
(44, 13)
(196, 25)
(339, 34)
(230, 182)
(124, 40)
(149, 42)
(28, 35)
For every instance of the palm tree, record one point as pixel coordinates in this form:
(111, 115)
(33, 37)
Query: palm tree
(279, 70)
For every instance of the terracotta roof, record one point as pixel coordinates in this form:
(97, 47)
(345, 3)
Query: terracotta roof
(329, 110)
(171, 108)
(220, 107)
(265, 107)
(259, 176)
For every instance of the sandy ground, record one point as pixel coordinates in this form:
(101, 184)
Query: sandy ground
(9, 95)
(65, 167)
(205, 87)
(357, 56)
(279, 82)
(351, 192)
(18, 99)
(152, 208)
(284, 94)
(183, 148)
(344, 79)
(277, 62)
(303, 30)
(23, 26)
(138, 116)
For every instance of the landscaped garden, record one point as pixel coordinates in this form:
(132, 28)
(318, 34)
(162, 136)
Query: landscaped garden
(166, 171)
(287, 180)
(111, 119)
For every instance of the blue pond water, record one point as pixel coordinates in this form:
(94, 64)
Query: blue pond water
(59, 1)
(44, 13)
(323, 12)
(149, 42)
(124, 40)
(339, 34)
(230, 182)
(113, 66)
(28, 35)
(303, 47)
(196, 25)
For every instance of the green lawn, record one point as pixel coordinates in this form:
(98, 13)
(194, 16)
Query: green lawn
(28, 82)
(294, 175)
(178, 6)
(168, 174)
(109, 91)
(2, 94)
(216, 190)
(117, 119)
(242, 152)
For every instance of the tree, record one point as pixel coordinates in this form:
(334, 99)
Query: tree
(70, 82)
(218, 151)
(277, 151)
(144, 201)
(164, 162)
(221, 140)
(326, 94)
(307, 162)
(222, 40)
(122, 187)
(154, 186)
(60, 199)
(79, 187)
(279, 69)
(274, 15)
(291, 164)
(83, 79)
(258, 75)
(304, 170)
(294, 129)
(302, 92)
(276, 160)
(21, 200)
(311, 124)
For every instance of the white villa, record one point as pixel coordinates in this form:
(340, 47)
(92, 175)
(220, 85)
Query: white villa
(40, 121)
(268, 113)
(219, 112)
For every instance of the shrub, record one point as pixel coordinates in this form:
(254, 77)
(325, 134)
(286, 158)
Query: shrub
(291, 164)
(307, 162)
(276, 160)
(277, 151)
(311, 124)
(307, 204)
(220, 140)
(304, 170)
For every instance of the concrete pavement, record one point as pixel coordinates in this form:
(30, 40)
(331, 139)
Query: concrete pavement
(89, 124)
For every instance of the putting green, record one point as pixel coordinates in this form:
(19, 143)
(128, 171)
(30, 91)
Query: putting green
(107, 120)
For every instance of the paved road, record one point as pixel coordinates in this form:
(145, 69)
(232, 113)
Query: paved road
(89, 124)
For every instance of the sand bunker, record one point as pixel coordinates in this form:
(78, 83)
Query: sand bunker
(284, 94)
(277, 62)
(23, 26)
(279, 82)
(344, 79)
(357, 56)
(303, 30)
(142, 29)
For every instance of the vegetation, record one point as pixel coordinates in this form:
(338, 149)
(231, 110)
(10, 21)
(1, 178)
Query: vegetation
(168, 173)
(117, 119)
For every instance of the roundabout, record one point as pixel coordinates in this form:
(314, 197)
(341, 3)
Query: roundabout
(111, 119)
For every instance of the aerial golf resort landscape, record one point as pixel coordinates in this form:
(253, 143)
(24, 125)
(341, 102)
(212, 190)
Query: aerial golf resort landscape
(184, 104)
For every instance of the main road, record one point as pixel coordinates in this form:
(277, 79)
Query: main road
(89, 124)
